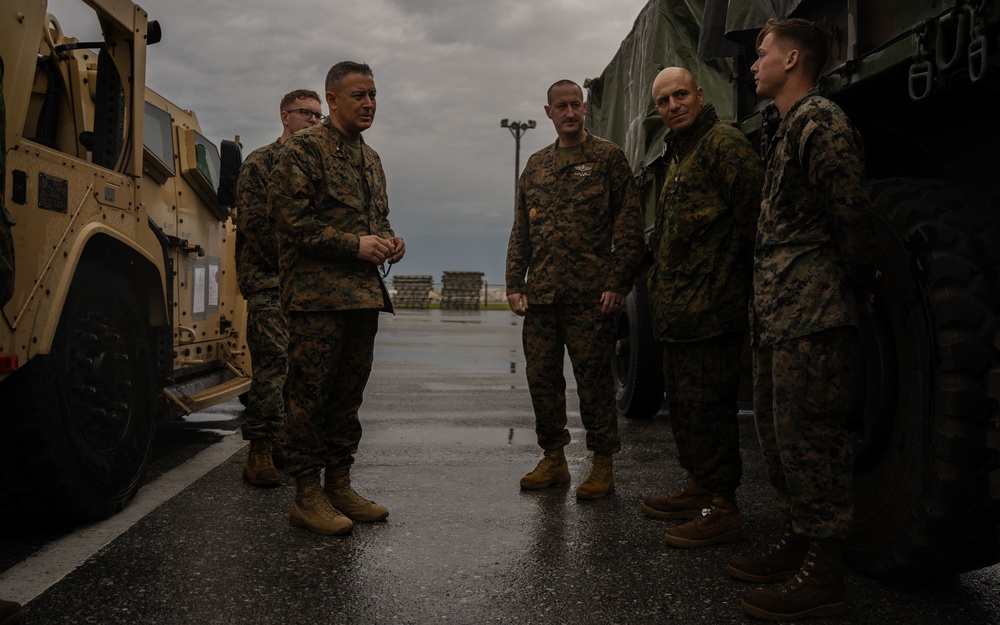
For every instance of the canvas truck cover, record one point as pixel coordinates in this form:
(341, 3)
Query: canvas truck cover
(619, 105)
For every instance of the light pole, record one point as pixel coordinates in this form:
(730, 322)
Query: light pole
(517, 129)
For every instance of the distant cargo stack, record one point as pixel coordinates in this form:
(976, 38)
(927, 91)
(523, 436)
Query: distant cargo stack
(461, 290)
(412, 291)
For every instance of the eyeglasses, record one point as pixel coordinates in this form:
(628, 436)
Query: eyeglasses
(384, 270)
(307, 114)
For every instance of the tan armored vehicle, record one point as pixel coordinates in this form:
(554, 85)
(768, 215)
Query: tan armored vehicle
(125, 309)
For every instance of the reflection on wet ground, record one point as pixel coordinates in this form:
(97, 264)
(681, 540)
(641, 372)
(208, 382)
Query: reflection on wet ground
(448, 431)
(479, 436)
(485, 337)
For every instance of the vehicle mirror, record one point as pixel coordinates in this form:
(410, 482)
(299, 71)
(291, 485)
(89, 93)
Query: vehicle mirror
(231, 156)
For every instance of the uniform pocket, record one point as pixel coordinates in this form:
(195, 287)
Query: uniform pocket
(591, 185)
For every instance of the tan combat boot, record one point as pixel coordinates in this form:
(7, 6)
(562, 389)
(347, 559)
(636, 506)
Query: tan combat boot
(780, 562)
(684, 503)
(816, 590)
(259, 469)
(344, 498)
(721, 524)
(601, 480)
(312, 510)
(551, 469)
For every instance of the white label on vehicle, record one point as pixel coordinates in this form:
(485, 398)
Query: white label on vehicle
(213, 285)
(198, 292)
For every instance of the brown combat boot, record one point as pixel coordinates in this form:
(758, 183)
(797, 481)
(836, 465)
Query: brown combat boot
(721, 524)
(684, 503)
(259, 469)
(344, 498)
(816, 590)
(600, 481)
(312, 510)
(780, 562)
(551, 469)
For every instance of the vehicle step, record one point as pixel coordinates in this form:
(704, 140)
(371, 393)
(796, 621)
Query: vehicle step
(209, 396)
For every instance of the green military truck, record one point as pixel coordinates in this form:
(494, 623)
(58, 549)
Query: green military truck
(921, 81)
(125, 309)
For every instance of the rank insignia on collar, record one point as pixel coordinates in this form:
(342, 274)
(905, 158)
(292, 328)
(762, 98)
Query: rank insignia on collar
(532, 213)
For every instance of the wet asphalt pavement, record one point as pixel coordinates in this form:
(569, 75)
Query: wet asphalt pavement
(448, 433)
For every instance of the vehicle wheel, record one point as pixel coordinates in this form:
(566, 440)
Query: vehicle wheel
(638, 361)
(927, 434)
(81, 423)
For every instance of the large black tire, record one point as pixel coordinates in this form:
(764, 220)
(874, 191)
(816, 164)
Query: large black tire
(926, 445)
(78, 423)
(637, 365)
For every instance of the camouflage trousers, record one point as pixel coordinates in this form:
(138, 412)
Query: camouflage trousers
(802, 401)
(549, 332)
(329, 360)
(702, 380)
(267, 338)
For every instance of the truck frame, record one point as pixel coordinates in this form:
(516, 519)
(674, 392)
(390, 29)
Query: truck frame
(921, 81)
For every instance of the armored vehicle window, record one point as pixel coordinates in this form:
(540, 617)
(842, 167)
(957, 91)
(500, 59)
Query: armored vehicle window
(208, 159)
(200, 165)
(158, 139)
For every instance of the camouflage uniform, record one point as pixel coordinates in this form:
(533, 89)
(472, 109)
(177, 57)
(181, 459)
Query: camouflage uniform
(6, 240)
(322, 203)
(699, 289)
(257, 273)
(812, 267)
(560, 256)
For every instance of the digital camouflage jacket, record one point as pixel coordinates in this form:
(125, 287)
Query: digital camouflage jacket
(322, 205)
(256, 242)
(703, 237)
(567, 217)
(813, 256)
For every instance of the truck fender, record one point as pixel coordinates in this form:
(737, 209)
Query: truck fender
(97, 241)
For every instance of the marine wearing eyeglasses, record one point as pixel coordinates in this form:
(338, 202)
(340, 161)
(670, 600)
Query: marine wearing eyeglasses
(257, 274)
(306, 113)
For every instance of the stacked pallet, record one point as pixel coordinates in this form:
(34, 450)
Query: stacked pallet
(412, 291)
(461, 290)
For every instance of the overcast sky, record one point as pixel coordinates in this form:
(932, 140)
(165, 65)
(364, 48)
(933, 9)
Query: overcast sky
(447, 72)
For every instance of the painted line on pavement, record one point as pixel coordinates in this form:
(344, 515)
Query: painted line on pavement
(33, 576)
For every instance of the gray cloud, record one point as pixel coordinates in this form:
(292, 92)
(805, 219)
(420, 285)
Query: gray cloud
(446, 71)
